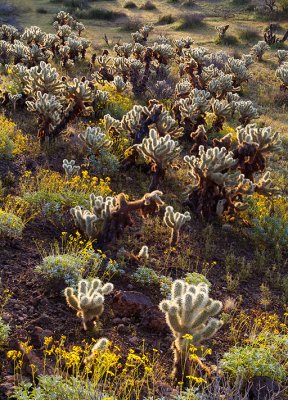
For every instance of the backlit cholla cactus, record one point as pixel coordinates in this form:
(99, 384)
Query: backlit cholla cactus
(221, 85)
(282, 56)
(44, 78)
(37, 55)
(239, 71)
(95, 139)
(20, 74)
(183, 43)
(190, 111)
(163, 52)
(89, 301)
(80, 95)
(123, 50)
(175, 221)
(189, 314)
(221, 29)
(100, 346)
(8, 33)
(282, 74)
(13, 98)
(141, 36)
(70, 168)
(109, 216)
(119, 84)
(183, 88)
(259, 50)
(20, 52)
(33, 35)
(49, 111)
(143, 254)
(212, 173)
(247, 111)
(222, 110)
(254, 144)
(160, 151)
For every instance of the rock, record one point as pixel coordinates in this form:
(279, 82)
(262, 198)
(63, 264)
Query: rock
(7, 385)
(6, 316)
(264, 388)
(117, 321)
(134, 340)
(154, 320)
(123, 329)
(38, 334)
(130, 303)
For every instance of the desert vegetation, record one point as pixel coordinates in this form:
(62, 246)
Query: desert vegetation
(143, 200)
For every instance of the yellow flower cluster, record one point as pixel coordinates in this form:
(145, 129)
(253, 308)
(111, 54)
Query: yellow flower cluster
(12, 140)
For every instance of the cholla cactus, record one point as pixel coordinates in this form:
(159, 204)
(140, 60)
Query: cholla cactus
(183, 43)
(110, 216)
(141, 36)
(222, 110)
(143, 254)
(161, 151)
(259, 50)
(86, 221)
(163, 52)
(70, 168)
(20, 52)
(95, 139)
(282, 74)
(100, 346)
(49, 111)
(183, 88)
(8, 33)
(123, 50)
(13, 98)
(239, 71)
(247, 111)
(221, 29)
(175, 221)
(282, 56)
(44, 78)
(253, 144)
(189, 315)
(119, 84)
(33, 35)
(221, 85)
(89, 302)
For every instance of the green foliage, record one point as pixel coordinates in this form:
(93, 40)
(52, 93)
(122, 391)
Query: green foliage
(10, 225)
(66, 266)
(283, 4)
(265, 357)
(99, 13)
(4, 332)
(57, 388)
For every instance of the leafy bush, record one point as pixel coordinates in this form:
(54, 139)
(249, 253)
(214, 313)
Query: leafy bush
(190, 20)
(67, 266)
(249, 34)
(166, 19)
(4, 332)
(265, 357)
(283, 4)
(49, 191)
(10, 225)
(100, 13)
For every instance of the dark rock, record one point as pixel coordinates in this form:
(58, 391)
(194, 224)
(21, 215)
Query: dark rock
(130, 303)
(123, 329)
(265, 388)
(7, 385)
(38, 334)
(154, 320)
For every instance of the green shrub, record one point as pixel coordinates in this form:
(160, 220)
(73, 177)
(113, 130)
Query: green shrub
(190, 21)
(249, 34)
(57, 388)
(10, 225)
(41, 10)
(4, 332)
(130, 5)
(148, 6)
(266, 356)
(166, 19)
(283, 4)
(100, 13)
